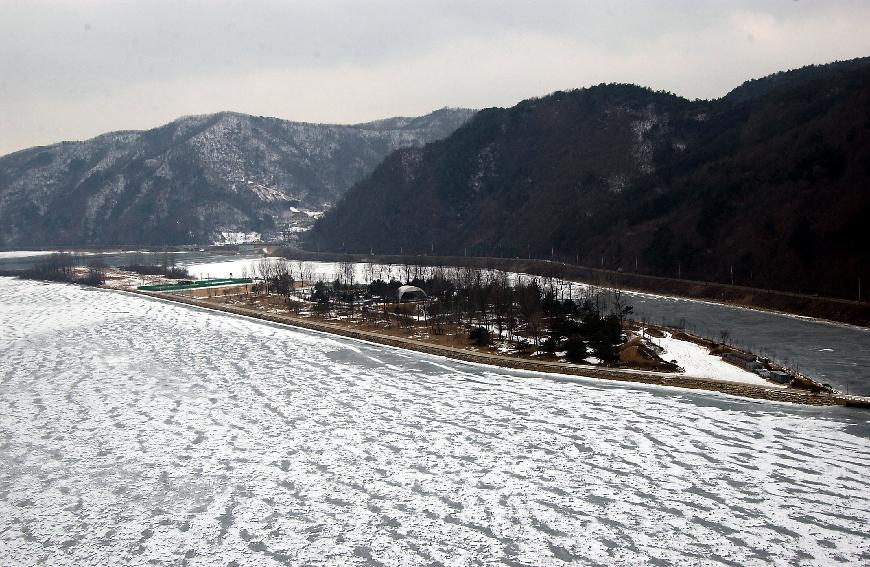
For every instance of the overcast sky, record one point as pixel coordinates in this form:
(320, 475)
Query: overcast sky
(74, 69)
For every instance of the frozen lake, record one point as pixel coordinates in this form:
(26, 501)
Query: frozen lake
(136, 432)
(24, 259)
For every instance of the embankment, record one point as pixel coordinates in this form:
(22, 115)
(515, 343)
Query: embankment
(644, 377)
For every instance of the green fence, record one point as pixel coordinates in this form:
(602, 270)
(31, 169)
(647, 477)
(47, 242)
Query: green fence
(193, 284)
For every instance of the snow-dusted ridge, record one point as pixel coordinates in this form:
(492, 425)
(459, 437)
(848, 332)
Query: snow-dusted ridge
(189, 179)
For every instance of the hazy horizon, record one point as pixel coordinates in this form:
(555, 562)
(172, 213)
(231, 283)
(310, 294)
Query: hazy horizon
(74, 70)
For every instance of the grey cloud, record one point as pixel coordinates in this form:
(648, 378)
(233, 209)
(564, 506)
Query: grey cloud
(74, 69)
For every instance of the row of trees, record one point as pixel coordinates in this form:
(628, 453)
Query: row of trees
(61, 267)
(157, 264)
(544, 314)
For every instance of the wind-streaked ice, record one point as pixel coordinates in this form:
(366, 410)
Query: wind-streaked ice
(136, 431)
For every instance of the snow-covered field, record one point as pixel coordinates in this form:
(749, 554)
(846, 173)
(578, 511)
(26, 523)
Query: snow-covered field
(136, 432)
(25, 253)
(326, 271)
(222, 269)
(699, 363)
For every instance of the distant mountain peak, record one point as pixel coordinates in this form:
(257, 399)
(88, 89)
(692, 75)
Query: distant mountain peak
(195, 177)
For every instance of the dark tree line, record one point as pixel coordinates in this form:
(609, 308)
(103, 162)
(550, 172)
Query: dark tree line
(528, 313)
(61, 267)
(162, 264)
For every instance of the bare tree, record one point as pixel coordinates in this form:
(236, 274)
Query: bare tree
(347, 271)
(620, 305)
(369, 272)
(265, 270)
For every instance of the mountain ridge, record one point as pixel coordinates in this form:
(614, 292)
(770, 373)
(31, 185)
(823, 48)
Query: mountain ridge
(381, 123)
(123, 186)
(765, 186)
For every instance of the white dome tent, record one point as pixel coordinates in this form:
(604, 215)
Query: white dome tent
(411, 293)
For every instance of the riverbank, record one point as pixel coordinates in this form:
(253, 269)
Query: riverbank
(821, 352)
(204, 417)
(825, 308)
(621, 375)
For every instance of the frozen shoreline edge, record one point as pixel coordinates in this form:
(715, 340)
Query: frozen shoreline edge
(562, 370)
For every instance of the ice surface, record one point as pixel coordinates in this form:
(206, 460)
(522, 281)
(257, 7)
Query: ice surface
(224, 268)
(135, 431)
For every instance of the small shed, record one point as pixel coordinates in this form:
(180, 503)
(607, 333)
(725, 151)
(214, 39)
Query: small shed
(411, 293)
(743, 360)
(780, 376)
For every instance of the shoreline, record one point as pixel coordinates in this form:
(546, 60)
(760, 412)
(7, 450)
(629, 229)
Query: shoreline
(833, 310)
(596, 277)
(743, 390)
(660, 295)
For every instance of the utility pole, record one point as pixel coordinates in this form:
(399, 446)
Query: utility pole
(732, 274)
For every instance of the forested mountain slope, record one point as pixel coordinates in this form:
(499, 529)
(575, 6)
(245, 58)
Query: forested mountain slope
(769, 183)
